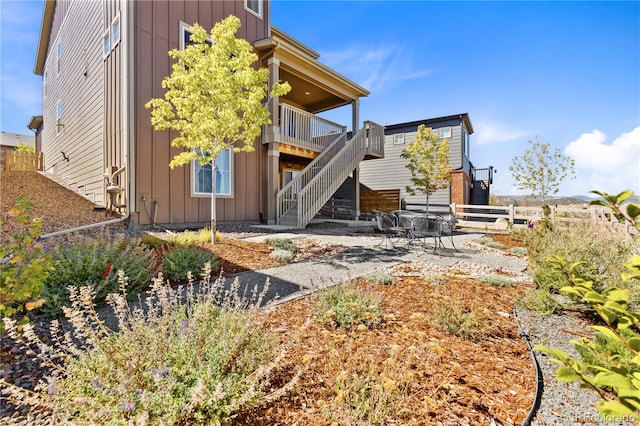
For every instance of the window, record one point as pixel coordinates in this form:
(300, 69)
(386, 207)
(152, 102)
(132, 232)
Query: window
(106, 44)
(444, 132)
(254, 6)
(185, 36)
(398, 139)
(58, 55)
(287, 176)
(58, 117)
(115, 31)
(202, 176)
(465, 147)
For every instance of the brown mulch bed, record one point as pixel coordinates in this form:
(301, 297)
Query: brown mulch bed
(428, 375)
(416, 373)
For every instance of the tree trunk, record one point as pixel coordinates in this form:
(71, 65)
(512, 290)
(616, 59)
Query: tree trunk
(213, 201)
(426, 209)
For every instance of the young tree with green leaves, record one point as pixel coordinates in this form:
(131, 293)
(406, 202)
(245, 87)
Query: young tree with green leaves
(428, 163)
(214, 99)
(23, 147)
(540, 170)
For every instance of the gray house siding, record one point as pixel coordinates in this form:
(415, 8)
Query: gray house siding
(78, 84)
(391, 172)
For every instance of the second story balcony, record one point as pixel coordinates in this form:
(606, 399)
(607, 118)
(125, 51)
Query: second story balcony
(301, 129)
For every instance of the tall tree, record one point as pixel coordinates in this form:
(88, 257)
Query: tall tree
(428, 157)
(541, 170)
(215, 99)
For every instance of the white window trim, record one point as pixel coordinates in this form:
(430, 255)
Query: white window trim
(208, 195)
(402, 137)
(58, 116)
(447, 129)
(106, 37)
(58, 56)
(253, 12)
(184, 27)
(115, 42)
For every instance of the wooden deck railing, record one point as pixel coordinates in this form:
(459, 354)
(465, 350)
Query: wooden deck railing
(305, 130)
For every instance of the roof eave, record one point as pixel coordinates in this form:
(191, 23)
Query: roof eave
(45, 32)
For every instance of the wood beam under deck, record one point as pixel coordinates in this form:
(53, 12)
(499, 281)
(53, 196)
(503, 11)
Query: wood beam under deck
(297, 151)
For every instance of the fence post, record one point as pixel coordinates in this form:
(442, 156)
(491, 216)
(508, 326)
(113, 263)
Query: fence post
(512, 214)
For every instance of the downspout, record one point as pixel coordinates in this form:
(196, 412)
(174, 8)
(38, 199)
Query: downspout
(125, 135)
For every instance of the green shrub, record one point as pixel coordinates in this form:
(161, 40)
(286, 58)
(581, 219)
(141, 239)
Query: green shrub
(605, 347)
(171, 363)
(518, 251)
(202, 236)
(23, 266)
(607, 367)
(539, 301)
(182, 260)
(95, 265)
(154, 242)
(283, 249)
(345, 306)
(282, 244)
(379, 277)
(601, 251)
(282, 255)
(496, 280)
(488, 242)
(470, 325)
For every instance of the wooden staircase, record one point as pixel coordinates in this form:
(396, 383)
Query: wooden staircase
(301, 199)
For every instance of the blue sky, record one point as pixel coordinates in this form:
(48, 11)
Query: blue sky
(568, 72)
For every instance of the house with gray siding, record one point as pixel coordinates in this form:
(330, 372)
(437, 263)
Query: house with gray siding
(101, 61)
(468, 184)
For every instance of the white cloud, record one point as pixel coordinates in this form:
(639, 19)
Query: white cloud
(491, 132)
(608, 167)
(374, 67)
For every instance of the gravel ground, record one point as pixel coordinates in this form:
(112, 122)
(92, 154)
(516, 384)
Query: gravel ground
(561, 404)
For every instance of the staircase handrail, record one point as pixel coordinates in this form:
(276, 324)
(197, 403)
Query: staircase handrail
(324, 175)
(286, 197)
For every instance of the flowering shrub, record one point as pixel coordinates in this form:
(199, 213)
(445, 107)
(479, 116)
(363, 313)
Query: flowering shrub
(183, 356)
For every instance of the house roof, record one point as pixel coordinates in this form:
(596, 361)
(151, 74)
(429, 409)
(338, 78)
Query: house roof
(429, 121)
(35, 122)
(45, 32)
(14, 139)
(313, 85)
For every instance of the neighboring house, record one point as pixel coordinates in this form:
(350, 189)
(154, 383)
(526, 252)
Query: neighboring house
(100, 63)
(468, 184)
(9, 143)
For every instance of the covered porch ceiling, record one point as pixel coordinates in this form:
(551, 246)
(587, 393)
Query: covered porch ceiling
(314, 86)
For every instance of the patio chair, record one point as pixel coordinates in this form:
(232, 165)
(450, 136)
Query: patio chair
(425, 227)
(447, 224)
(388, 225)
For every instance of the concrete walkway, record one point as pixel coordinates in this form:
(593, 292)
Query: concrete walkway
(363, 254)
